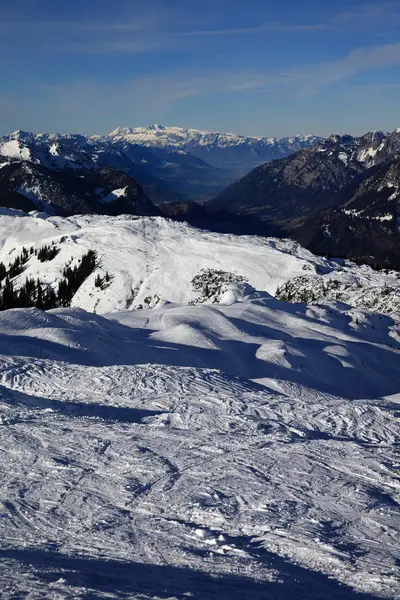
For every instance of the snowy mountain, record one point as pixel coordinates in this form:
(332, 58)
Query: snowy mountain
(227, 150)
(223, 444)
(364, 221)
(154, 260)
(166, 175)
(84, 188)
(340, 197)
(306, 181)
(171, 164)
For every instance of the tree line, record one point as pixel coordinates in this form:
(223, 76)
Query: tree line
(36, 293)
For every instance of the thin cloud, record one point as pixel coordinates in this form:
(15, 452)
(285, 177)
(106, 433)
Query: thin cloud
(370, 11)
(360, 60)
(158, 91)
(152, 30)
(270, 27)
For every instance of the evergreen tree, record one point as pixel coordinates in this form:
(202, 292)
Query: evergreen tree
(3, 271)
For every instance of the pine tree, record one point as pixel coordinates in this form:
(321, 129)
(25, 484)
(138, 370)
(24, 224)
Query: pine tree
(3, 271)
(8, 295)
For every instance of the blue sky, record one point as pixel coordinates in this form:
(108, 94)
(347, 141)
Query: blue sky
(258, 67)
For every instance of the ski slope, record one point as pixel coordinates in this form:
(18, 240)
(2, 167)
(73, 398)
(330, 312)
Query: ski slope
(239, 449)
(242, 451)
(152, 260)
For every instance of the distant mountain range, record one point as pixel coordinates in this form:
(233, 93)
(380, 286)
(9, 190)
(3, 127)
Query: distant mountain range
(171, 164)
(237, 153)
(337, 196)
(165, 175)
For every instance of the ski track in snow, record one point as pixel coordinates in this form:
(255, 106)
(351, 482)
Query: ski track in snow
(246, 450)
(137, 464)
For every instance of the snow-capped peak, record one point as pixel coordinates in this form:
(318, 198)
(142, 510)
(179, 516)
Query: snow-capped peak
(214, 147)
(121, 131)
(21, 135)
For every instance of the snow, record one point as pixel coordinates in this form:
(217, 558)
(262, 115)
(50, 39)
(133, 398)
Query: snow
(368, 153)
(13, 149)
(47, 150)
(343, 157)
(179, 137)
(237, 450)
(136, 456)
(114, 195)
(149, 257)
(387, 216)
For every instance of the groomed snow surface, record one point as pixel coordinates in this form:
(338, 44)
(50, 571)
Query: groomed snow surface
(242, 450)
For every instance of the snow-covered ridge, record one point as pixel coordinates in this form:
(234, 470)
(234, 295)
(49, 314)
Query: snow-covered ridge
(219, 149)
(153, 260)
(180, 137)
(50, 151)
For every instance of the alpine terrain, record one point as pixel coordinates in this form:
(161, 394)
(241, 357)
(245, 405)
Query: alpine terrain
(236, 152)
(339, 198)
(170, 164)
(195, 415)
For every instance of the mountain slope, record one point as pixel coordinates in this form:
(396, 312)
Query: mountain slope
(151, 261)
(364, 222)
(224, 444)
(31, 186)
(166, 174)
(292, 187)
(340, 197)
(137, 463)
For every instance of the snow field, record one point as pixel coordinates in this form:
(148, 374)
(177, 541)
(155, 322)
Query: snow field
(126, 443)
(247, 449)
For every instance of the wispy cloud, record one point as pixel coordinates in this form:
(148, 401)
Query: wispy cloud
(96, 105)
(371, 11)
(157, 26)
(270, 27)
(317, 77)
(149, 31)
(157, 92)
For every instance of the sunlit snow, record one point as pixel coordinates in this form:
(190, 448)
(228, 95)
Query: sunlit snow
(246, 449)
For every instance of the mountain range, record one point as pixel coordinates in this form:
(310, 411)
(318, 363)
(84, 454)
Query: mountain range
(340, 197)
(162, 173)
(337, 196)
(236, 153)
(171, 164)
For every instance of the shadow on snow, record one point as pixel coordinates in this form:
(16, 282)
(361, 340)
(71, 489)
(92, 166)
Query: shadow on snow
(128, 579)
